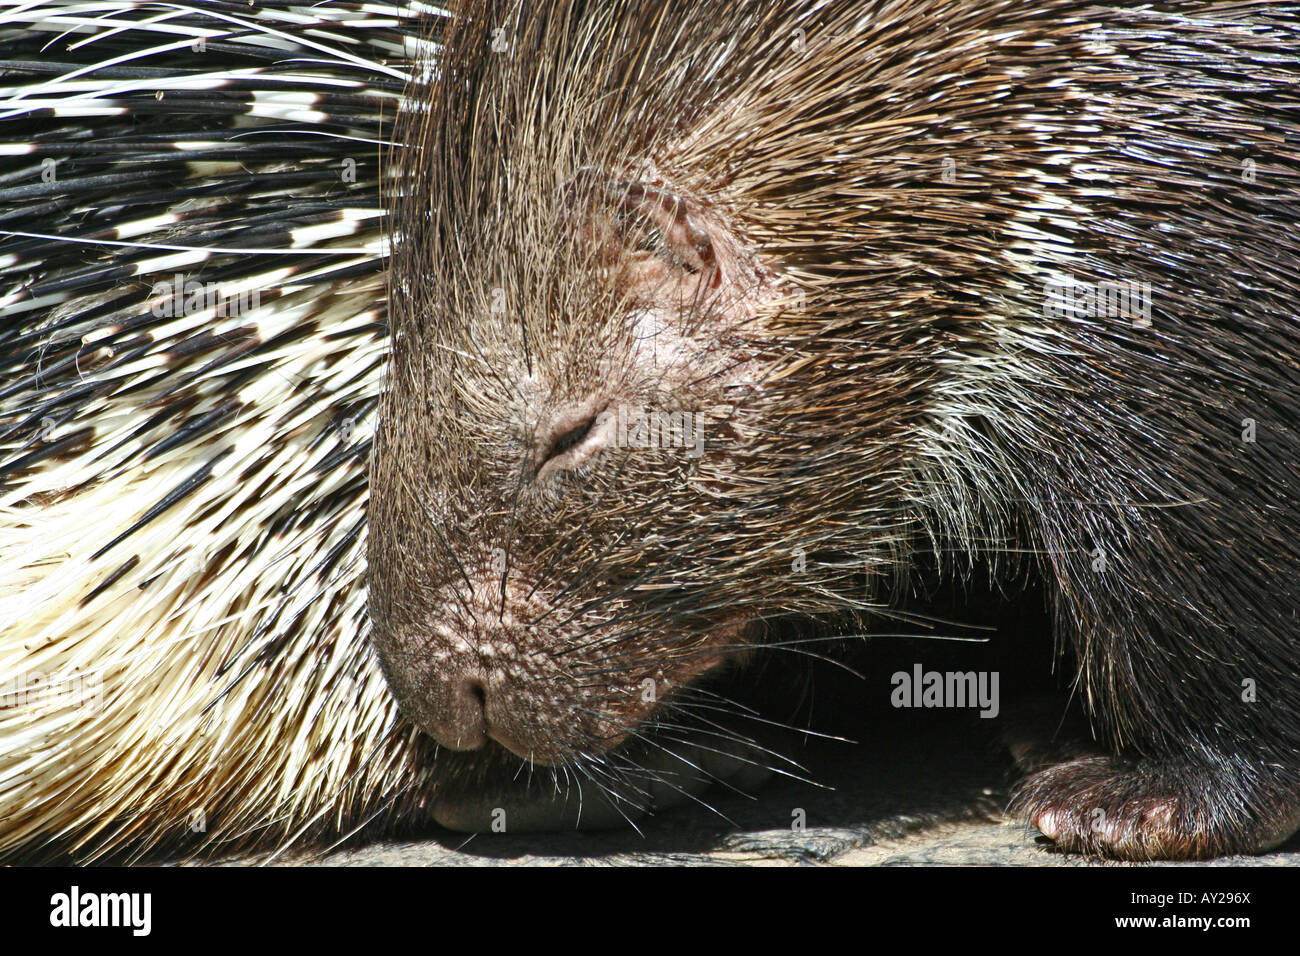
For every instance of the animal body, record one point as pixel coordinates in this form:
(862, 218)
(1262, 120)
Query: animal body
(900, 282)
(700, 321)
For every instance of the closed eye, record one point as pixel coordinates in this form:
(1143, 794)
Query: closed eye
(569, 439)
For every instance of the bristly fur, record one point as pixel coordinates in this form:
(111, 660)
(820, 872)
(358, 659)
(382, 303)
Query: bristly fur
(182, 493)
(921, 171)
(183, 501)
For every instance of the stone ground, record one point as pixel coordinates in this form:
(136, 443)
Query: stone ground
(927, 799)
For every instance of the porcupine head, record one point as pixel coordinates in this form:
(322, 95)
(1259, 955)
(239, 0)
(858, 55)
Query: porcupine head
(667, 367)
(572, 490)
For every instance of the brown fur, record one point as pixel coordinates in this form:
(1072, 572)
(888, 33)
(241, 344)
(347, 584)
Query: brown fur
(826, 233)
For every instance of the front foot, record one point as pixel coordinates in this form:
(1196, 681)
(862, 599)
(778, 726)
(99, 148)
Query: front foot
(1158, 809)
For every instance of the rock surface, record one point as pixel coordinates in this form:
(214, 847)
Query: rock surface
(929, 799)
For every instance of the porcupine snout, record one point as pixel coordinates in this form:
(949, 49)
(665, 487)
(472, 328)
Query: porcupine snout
(472, 688)
(460, 681)
(496, 669)
(522, 518)
(485, 668)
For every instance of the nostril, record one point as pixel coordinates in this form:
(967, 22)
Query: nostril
(471, 705)
(457, 717)
(478, 694)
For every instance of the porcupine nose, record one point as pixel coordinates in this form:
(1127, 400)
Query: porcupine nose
(458, 719)
(461, 715)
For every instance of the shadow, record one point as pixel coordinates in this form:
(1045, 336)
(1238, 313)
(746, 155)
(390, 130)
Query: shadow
(899, 770)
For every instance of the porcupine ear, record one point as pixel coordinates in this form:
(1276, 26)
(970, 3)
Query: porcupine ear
(658, 242)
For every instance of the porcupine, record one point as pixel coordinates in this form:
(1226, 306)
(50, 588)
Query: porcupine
(641, 247)
(193, 344)
(845, 243)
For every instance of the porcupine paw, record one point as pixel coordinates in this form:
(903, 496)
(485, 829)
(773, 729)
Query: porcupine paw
(1140, 809)
(611, 794)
